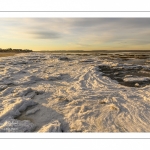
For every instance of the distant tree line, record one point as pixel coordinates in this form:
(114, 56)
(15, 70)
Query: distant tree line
(15, 50)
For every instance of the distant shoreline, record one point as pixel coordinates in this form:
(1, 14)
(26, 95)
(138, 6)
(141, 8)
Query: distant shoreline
(10, 50)
(91, 51)
(103, 52)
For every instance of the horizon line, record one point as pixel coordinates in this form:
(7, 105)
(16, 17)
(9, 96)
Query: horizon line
(97, 50)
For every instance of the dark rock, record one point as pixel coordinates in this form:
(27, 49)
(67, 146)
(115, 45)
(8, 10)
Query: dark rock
(64, 58)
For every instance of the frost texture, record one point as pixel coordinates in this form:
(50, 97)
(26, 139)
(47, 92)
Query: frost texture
(45, 92)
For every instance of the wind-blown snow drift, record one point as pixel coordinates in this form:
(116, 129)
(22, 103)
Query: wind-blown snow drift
(66, 93)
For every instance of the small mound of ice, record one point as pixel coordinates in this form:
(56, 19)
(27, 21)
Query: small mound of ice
(32, 111)
(136, 84)
(54, 126)
(2, 87)
(7, 91)
(23, 92)
(15, 110)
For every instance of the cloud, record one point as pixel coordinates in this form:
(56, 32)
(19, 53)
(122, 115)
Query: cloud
(45, 35)
(81, 32)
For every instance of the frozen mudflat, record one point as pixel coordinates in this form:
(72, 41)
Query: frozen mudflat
(45, 92)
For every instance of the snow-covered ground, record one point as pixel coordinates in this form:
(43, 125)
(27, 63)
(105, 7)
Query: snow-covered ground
(44, 92)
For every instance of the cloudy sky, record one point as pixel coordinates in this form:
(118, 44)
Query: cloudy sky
(75, 33)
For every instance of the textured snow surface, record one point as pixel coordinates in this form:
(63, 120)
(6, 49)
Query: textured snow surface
(45, 92)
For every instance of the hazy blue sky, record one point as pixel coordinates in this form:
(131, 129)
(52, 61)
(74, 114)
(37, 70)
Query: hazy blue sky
(75, 33)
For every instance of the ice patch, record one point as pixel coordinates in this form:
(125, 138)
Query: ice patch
(136, 79)
(54, 126)
(86, 94)
(13, 125)
(32, 111)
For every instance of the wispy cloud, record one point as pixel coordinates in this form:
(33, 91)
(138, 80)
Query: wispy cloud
(45, 35)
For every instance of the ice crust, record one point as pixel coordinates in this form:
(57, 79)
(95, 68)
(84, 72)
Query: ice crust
(45, 92)
(136, 79)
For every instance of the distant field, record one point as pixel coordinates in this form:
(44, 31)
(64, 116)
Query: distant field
(94, 51)
(7, 54)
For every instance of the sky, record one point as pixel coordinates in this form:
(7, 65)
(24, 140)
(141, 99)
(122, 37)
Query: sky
(75, 33)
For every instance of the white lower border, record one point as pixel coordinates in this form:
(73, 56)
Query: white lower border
(75, 135)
